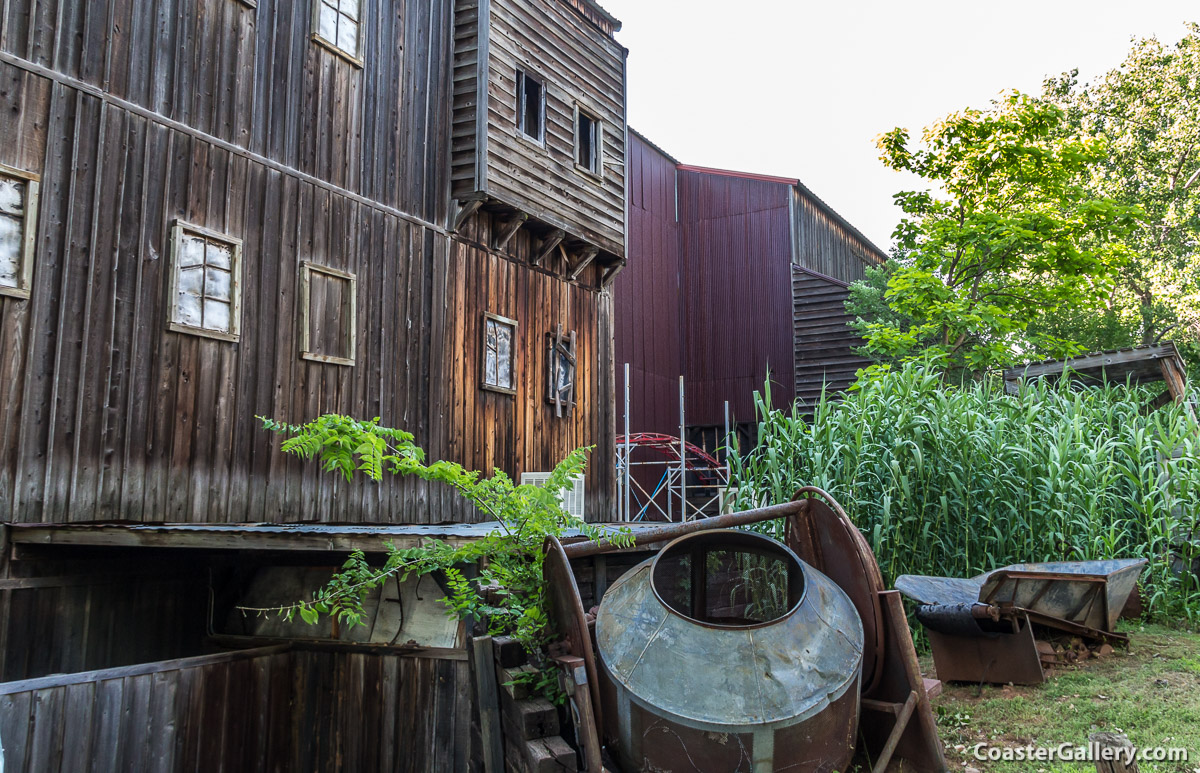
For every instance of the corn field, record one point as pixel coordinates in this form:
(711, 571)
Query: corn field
(955, 481)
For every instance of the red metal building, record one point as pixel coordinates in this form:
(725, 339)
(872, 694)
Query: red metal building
(730, 276)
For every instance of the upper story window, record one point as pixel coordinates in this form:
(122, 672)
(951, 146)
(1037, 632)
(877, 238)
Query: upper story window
(589, 142)
(338, 25)
(499, 354)
(18, 224)
(531, 106)
(328, 312)
(206, 292)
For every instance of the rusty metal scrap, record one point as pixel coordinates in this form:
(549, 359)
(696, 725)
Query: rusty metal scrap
(982, 629)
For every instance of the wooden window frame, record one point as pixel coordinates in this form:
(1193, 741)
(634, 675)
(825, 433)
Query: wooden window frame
(512, 355)
(560, 344)
(598, 142)
(28, 250)
(178, 229)
(539, 140)
(307, 269)
(356, 59)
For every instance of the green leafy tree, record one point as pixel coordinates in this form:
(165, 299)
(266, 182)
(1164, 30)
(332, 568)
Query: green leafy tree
(1005, 234)
(1147, 113)
(507, 590)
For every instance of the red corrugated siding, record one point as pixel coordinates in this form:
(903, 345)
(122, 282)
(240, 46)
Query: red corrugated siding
(738, 293)
(710, 296)
(646, 296)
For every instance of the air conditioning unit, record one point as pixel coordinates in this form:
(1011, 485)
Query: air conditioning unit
(571, 499)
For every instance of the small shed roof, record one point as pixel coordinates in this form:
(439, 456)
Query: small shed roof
(1137, 365)
(255, 536)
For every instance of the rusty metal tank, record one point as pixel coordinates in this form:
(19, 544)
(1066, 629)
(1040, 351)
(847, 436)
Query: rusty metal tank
(725, 652)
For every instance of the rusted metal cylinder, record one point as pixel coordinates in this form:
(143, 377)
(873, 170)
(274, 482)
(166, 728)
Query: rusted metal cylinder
(726, 652)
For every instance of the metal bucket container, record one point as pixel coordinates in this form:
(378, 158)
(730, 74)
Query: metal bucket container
(725, 652)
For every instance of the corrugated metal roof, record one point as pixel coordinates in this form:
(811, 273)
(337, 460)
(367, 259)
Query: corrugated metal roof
(252, 536)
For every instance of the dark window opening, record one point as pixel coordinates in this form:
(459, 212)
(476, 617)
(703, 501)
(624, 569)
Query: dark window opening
(728, 579)
(531, 111)
(587, 143)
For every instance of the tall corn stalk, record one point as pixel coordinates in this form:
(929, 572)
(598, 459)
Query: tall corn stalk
(954, 481)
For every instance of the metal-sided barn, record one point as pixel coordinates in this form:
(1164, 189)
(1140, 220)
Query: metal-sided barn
(731, 276)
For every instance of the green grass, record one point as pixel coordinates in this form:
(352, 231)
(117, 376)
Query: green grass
(1151, 693)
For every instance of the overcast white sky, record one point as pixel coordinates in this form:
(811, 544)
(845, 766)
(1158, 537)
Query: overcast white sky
(801, 89)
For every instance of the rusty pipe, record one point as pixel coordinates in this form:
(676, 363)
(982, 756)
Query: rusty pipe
(674, 530)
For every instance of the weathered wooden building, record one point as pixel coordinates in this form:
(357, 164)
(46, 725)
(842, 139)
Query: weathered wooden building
(730, 276)
(214, 210)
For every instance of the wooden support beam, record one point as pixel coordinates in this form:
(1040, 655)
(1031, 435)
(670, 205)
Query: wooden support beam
(1176, 379)
(585, 258)
(610, 274)
(507, 230)
(488, 700)
(547, 245)
(574, 681)
(465, 210)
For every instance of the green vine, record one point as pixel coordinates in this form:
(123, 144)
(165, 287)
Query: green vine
(507, 591)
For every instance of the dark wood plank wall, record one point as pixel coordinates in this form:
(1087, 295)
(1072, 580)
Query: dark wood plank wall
(234, 120)
(824, 244)
(252, 77)
(84, 620)
(264, 710)
(578, 63)
(491, 429)
(824, 340)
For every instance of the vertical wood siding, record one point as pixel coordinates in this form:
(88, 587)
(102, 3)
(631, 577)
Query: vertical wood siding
(520, 433)
(825, 245)
(229, 118)
(252, 76)
(285, 711)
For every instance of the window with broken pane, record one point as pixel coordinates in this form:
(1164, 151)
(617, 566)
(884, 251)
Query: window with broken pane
(18, 218)
(204, 288)
(339, 23)
(499, 342)
(560, 381)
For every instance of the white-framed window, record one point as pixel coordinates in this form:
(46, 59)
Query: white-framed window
(206, 295)
(18, 230)
(499, 354)
(328, 314)
(589, 142)
(531, 106)
(337, 25)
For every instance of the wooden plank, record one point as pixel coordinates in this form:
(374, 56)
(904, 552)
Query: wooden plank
(122, 672)
(488, 700)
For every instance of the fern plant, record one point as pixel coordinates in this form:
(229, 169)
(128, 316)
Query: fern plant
(507, 592)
